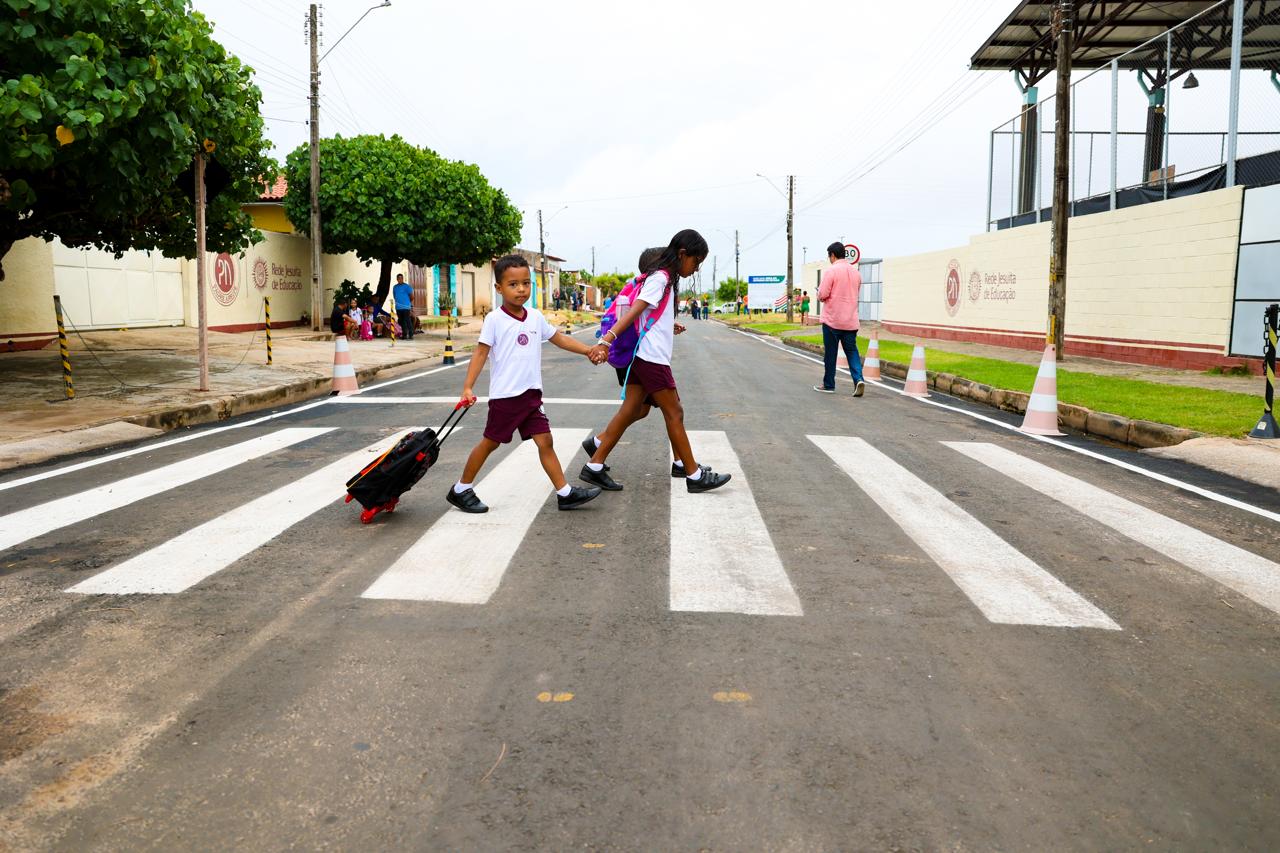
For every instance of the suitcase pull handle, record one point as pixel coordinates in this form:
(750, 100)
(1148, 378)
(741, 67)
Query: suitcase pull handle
(455, 418)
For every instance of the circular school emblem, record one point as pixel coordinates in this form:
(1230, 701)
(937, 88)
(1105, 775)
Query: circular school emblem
(523, 340)
(975, 286)
(260, 274)
(952, 287)
(224, 286)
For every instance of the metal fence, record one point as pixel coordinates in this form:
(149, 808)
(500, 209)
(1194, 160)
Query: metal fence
(1164, 119)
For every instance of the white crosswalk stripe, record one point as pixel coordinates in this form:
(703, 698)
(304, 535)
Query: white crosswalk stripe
(1245, 572)
(447, 564)
(722, 557)
(35, 521)
(1006, 585)
(187, 559)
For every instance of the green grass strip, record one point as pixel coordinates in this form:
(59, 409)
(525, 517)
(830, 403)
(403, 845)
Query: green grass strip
(1200, 409)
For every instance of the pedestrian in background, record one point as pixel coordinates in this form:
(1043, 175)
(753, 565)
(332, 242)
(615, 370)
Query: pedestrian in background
(838, 293)
(402, 293)
(338, 318)
(804, 307)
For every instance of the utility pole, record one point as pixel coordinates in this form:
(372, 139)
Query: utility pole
(791, 209)
(715, 260)
(317, 278)
(542, 253)
(593, 261)
(737, 279)
(202, 315)
(1065, 22)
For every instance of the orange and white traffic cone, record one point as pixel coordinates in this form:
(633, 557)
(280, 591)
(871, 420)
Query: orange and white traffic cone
(871, 364)
(1042, 408)
(917, 379)
(344, 372)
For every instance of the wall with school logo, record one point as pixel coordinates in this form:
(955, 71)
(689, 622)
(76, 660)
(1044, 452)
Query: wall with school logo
(1152, 284)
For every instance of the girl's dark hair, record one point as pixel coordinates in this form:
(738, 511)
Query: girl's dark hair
(507, 262)
(693, 245)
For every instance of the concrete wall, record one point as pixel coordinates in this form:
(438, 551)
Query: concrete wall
(1151, 284)
(26, 297)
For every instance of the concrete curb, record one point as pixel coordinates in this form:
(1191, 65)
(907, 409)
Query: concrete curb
(71, 442)
(1133, 432)
(230, 405)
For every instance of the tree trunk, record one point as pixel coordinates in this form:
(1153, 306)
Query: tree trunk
(384, 283)
(6, 244)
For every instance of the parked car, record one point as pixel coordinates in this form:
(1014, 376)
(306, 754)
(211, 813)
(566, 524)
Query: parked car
(726, 308)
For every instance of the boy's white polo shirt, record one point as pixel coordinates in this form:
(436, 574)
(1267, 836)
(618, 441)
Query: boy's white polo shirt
(515, 350)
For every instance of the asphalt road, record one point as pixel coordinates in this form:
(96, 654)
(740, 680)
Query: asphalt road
(902, 626)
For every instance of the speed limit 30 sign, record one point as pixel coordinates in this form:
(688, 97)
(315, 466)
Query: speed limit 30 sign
(852, 253)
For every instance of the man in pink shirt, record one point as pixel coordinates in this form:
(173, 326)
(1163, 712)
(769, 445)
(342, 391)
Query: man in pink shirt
(838, 293)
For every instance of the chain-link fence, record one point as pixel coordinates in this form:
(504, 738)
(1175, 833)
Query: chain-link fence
(1158, 121)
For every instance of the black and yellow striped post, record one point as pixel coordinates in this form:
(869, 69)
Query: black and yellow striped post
(266, 307)
(1266, 427)
(448, 341)
(63, 350)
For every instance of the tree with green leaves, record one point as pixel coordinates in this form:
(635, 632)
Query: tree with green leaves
(610, 283)
(730, 289)
(103, 108)
(388, 201)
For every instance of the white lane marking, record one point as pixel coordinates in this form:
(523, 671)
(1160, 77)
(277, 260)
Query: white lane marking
(204, 433)
(554, 401)
(1003, 582)
(1247, 573)
(462, 557)
(37, 520)
(187, 559)
(1083, 451)
(722, 557)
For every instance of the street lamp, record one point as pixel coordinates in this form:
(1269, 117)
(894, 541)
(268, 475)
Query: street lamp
(317, 275)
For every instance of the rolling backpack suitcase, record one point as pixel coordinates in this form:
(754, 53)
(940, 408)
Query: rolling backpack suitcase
(380, 484)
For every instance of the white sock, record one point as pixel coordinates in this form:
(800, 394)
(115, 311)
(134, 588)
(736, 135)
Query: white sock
(596, 466)
(696, 475)
(596, 439)
(564, 493)
(677, 463)
(460, 487)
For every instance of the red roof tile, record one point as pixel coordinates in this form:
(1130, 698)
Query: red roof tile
(276, 191)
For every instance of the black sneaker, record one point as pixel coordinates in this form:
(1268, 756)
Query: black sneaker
(589, 445)
(708, 481)
(467, 501)
(859, 388)
(600, 478)
(577, 497)
(677, 470)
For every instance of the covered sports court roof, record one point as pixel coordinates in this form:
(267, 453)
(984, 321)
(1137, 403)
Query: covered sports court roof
(1104, 30)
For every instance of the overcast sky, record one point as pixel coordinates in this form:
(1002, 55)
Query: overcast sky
(644, 123)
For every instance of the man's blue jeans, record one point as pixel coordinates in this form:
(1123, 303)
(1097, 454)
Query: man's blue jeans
(832, 339)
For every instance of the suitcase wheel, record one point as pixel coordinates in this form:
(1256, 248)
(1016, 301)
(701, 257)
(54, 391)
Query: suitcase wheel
(348, 500)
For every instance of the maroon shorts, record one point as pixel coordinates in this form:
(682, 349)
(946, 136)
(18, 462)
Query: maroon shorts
(524, 413)
(651, 377)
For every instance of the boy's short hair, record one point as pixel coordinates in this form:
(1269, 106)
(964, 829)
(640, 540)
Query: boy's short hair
(507, 262)
(836, 249)
(649, 257)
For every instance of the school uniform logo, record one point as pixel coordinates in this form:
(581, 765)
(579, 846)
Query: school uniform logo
(523, 340)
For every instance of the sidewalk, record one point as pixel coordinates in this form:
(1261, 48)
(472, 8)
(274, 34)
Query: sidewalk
(137, 383)
(1102, 367)
(1253, 461)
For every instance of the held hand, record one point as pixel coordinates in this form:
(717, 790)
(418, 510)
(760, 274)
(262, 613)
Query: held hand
(468, 398)
(678, 329)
